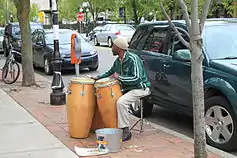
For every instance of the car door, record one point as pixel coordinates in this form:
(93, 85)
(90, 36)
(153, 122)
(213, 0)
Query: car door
(40, 49)
(154, 46)
(177, 75)
(34, 40)
(100, 34)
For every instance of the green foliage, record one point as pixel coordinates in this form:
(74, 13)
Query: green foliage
(143, 8)
(33, 12)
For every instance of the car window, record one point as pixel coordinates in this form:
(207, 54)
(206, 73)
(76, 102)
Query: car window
(124, 27)
(40, 38)
(34, 37)
(1, 32)
(16, 30)
(175, 44)
(139, 33)
(64, 37)
(157, 40)
(108, 28)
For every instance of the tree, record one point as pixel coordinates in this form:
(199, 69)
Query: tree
(23, 11)
(33, 12)
(195, 29)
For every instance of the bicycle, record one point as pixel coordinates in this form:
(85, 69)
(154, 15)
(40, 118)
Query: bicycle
(9, 68)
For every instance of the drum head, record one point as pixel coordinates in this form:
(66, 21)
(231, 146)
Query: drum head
(82, 80)
(104, 82)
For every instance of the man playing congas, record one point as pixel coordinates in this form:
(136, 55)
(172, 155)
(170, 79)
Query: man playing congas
(129, 70)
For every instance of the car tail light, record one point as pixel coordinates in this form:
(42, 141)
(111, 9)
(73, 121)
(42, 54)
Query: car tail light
(117, 33)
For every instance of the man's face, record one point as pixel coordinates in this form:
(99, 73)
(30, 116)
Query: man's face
(115, 50)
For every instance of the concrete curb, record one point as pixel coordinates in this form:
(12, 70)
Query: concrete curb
(181, 136)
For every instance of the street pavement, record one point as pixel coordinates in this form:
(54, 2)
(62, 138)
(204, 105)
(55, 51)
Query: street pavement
(18, 133)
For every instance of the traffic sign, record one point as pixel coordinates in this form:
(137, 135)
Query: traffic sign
(80, 16)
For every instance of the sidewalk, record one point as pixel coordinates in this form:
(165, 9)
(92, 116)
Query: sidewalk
(20, 127)
(22, 136)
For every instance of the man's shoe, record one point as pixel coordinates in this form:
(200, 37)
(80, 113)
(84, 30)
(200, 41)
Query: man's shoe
(126, 134)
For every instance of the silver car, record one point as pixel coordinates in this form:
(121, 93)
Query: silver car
(109, 32)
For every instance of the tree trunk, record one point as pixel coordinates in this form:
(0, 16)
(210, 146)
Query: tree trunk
(23, 10)
(134, 7)
(197, 85)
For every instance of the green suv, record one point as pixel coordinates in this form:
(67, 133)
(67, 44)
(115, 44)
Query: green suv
(168, 66)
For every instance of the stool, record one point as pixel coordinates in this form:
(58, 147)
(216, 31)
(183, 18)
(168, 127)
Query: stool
(141, 118)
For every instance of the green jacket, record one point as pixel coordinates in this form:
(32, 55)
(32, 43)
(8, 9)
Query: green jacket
(132, 74)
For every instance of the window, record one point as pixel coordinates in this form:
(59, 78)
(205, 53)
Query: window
(176, 44)
(156, 41)
(139, 33)
(40, 38)
(34, 37)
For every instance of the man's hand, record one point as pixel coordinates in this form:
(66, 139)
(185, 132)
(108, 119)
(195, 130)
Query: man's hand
(94, 78)
(115, 75)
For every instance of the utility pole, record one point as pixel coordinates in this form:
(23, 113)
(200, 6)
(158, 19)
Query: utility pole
(58, 96)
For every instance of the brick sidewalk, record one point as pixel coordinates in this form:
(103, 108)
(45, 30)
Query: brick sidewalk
(151, 144)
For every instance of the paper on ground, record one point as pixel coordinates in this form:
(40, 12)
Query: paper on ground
(90, 151)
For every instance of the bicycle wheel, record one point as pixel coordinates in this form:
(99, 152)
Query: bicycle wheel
(10, 72)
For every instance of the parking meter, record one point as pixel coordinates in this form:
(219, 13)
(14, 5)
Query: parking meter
(76, 52)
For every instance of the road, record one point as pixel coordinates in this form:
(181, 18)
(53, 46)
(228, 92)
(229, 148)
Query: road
(163, 117)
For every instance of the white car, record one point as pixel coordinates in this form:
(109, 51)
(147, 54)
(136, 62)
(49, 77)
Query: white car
(109, 32)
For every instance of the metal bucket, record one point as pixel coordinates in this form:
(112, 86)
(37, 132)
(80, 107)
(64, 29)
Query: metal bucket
(109, 139)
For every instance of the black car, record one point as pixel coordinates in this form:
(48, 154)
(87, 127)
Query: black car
(168, 65)
(12, 34)
(43, 46)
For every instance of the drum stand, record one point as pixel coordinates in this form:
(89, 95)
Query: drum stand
(141, 130)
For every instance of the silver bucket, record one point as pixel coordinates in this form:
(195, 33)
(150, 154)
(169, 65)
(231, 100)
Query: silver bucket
(109, 139)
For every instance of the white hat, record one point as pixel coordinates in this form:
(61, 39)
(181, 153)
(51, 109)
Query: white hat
(120, 42)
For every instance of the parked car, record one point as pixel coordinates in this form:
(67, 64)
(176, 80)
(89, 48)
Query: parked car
(43, 47)
(12, 33)
(168, 66)
(111, 31)
(92, 33)
(1, 38)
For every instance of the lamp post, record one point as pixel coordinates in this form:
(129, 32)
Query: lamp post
(87, 10)
(11, 18)
(85, 6)
(58, 96)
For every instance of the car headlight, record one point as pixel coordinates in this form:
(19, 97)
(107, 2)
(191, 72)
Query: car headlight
(93, 52)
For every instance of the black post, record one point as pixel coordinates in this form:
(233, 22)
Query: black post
(124, 15)
(86, 24)
(58, 96)
(78, 23)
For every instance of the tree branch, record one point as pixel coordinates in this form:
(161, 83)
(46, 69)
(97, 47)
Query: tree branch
(184, 10)
(173, 26)
(204, 14)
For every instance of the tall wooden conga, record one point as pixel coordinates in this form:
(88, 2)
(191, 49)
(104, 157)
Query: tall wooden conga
(81, 102)
(108, 91)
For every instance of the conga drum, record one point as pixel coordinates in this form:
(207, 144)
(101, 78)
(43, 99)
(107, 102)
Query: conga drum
(97, 122)
(81, 102)
(108, 91)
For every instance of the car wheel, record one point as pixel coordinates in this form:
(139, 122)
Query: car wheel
(221, 125)
(94, 68)
(136, 108)
(48, 67)
(110, 42)
(96, 43)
